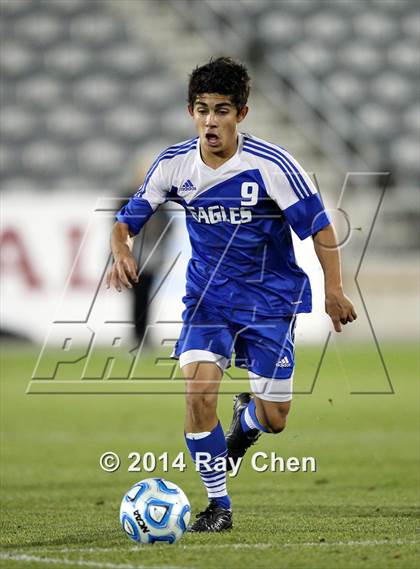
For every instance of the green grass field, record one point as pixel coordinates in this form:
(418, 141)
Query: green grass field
(358, 510)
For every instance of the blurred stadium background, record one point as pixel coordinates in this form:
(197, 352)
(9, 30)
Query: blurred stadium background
(92, 90)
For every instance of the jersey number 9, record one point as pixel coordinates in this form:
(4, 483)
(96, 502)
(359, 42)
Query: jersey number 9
(249, 193)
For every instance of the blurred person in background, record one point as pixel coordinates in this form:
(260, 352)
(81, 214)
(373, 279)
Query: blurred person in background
(152, 239)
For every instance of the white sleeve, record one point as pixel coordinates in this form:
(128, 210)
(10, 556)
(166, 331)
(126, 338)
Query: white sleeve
(294, 192)
(146, 200)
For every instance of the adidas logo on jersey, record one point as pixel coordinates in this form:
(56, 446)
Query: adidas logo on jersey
(283, 362)
(186, 187)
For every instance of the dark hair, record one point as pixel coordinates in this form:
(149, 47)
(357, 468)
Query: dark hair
(223, 75)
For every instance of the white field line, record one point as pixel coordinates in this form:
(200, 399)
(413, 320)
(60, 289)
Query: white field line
(144, 550)
(79, 562)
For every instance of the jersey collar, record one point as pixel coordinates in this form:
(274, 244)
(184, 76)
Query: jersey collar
(231, 163)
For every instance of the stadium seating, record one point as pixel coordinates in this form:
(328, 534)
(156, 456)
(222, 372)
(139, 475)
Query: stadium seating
(355, 65)
(79, 96)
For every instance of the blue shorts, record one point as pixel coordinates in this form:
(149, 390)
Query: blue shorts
(263, 345)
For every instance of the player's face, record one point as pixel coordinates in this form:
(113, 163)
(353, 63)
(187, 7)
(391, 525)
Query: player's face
(216, 119)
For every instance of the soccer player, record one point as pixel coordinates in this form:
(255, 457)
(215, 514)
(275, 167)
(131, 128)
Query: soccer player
(242, 196)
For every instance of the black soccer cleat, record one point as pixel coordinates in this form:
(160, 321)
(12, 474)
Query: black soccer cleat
(213, 518)
(237, 441)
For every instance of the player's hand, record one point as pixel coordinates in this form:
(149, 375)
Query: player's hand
(339, 308)
(123, 272)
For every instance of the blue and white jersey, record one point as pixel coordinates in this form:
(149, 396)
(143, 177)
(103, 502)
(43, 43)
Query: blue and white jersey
(238, 217)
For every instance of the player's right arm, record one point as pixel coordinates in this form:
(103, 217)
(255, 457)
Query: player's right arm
(130, 220)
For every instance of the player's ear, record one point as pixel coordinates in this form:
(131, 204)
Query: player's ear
(242, 114)
(191, 110)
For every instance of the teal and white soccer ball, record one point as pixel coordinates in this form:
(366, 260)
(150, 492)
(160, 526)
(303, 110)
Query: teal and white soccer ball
(155, 510)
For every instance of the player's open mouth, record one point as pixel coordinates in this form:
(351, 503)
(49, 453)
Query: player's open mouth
(212, 139)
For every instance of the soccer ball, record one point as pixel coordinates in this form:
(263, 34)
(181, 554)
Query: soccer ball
(155, 510)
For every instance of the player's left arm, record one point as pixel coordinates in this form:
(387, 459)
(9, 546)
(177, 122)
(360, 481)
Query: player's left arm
(298, 198)
(338, 307)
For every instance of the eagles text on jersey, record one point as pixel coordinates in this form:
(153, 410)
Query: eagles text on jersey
(238, 218)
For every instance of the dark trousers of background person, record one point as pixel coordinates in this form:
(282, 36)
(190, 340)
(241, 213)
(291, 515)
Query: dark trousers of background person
(141, 292)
